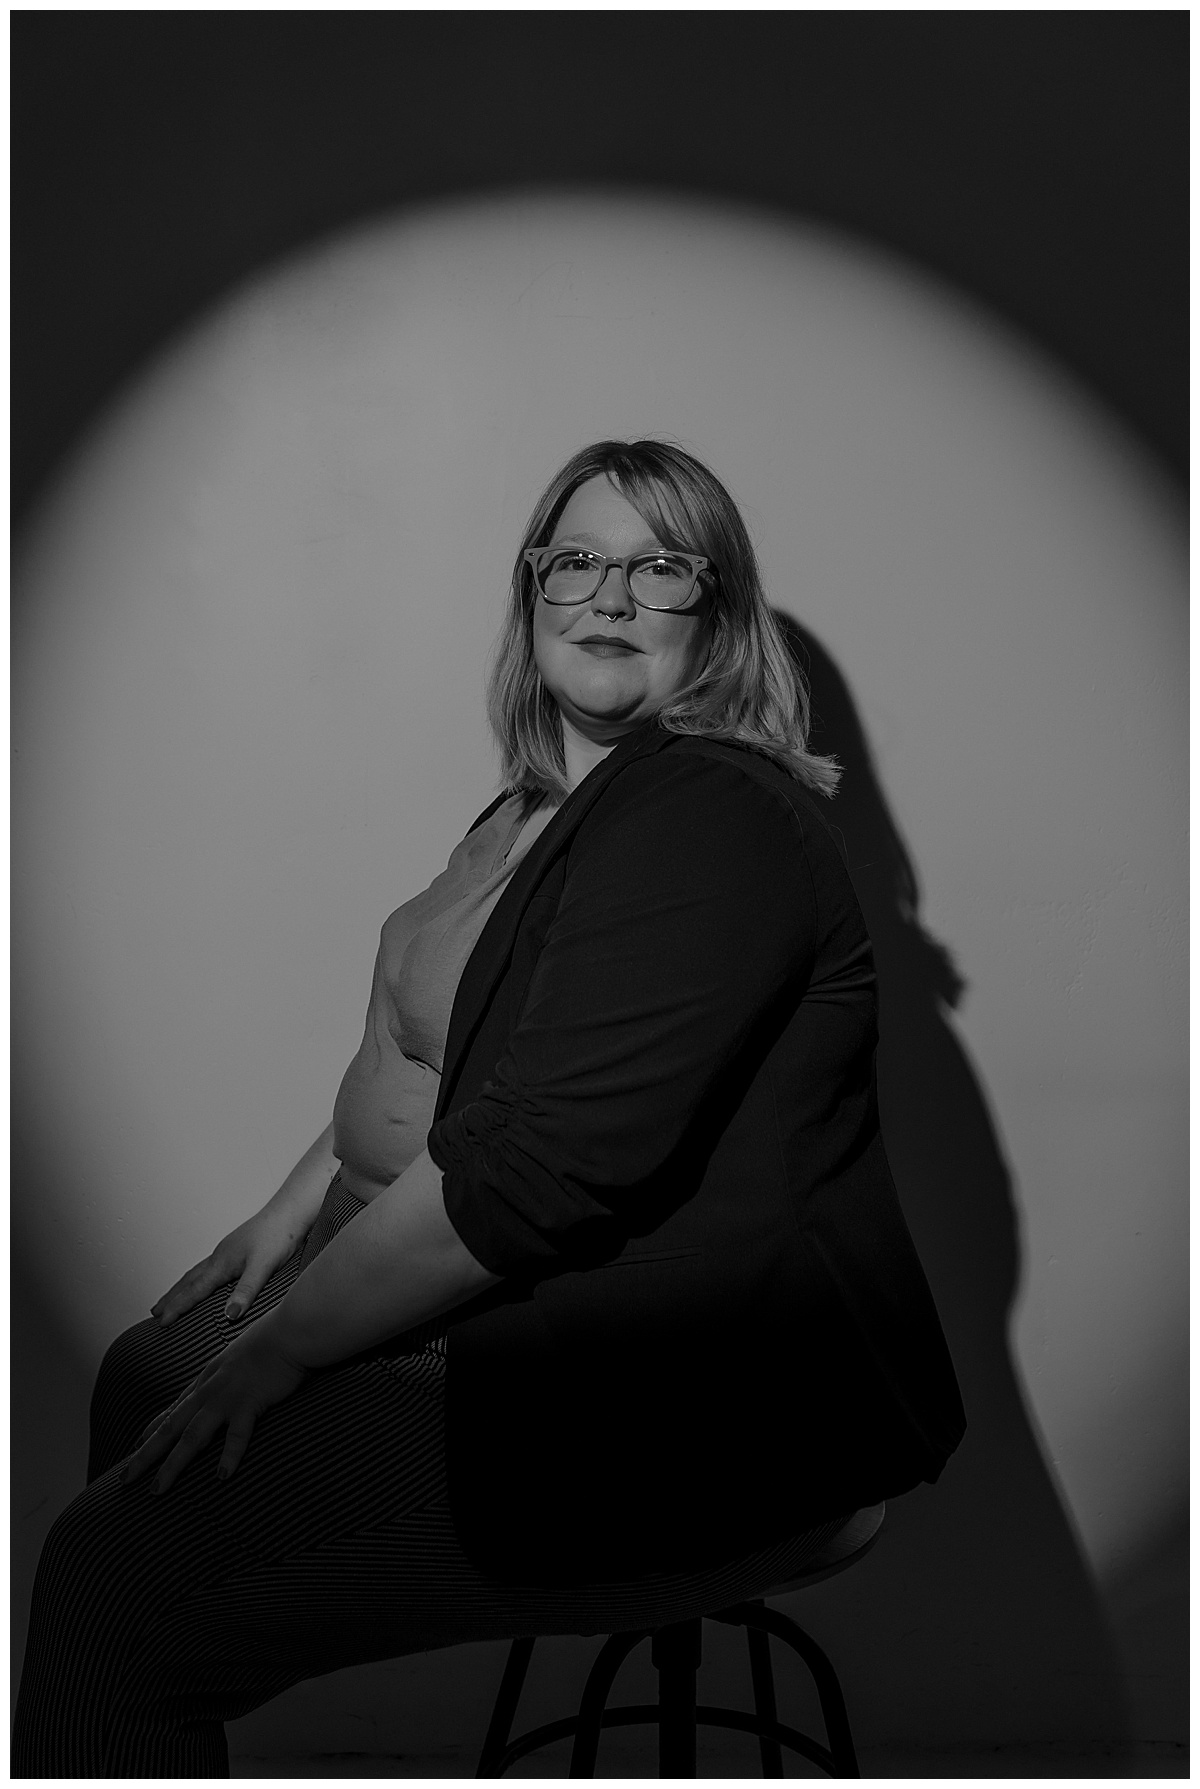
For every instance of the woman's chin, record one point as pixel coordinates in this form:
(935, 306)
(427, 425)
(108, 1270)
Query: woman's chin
(604, 716)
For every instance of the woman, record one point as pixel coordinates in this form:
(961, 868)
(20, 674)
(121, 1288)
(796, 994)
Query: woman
(596, 1294)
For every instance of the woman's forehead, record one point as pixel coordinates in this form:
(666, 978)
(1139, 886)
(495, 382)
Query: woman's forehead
(597, 514)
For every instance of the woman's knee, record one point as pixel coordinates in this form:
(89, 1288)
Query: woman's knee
(140, 1375)
(75, 1555)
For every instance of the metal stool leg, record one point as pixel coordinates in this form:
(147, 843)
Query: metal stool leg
(833, 1703)
(676, 1654)
(600, 1681)
(509, 1694)
(762, 1677)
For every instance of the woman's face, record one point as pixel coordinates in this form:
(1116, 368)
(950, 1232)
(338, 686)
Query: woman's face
(608, 663)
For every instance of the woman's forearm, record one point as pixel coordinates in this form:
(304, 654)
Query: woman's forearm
(302, 1193)
(399, 1263)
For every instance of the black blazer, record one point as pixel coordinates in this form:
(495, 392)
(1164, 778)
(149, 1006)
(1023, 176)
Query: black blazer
(658, 1121)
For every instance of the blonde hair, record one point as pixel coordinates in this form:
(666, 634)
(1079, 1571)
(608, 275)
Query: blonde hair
(750, 692)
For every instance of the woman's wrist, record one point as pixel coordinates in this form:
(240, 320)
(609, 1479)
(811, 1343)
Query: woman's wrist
(278, 1331)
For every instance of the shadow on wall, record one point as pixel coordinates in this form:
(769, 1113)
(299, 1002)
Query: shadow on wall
(984, 1588)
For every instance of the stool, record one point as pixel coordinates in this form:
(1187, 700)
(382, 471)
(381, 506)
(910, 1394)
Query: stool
(675, 1651)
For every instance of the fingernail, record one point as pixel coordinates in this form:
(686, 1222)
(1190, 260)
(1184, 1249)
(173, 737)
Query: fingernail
(222, 1472)
(156, 1488)
(233, 1311)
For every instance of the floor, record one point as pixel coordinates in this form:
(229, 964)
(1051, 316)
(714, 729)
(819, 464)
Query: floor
(624, 1755)
(425, 1715)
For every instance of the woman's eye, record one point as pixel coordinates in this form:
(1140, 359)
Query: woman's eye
(665, 568)
(571, 562)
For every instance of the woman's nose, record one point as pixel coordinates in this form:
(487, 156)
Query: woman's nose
(612, 598)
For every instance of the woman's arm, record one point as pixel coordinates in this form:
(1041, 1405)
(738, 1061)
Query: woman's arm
(687, 917)
(252, 1252)
(398, 1263)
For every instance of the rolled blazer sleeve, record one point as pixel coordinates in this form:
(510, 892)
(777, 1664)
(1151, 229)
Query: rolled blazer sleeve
(687, 914)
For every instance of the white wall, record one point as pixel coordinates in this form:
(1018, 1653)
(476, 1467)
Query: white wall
(251, 632)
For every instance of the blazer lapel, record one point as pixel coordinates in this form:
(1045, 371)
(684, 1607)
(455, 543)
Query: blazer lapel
(493, 950)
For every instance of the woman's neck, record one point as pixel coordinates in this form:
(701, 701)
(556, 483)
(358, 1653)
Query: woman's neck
(581, 754)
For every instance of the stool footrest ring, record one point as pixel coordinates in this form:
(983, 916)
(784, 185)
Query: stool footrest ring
(645, 1714)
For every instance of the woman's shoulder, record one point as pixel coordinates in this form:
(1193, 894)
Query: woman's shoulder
(678, 805)
(717, 778)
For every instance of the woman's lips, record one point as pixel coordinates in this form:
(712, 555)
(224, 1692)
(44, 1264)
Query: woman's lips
(607, 648)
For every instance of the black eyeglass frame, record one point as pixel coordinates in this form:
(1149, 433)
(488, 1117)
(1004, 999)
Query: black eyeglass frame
(696, 561)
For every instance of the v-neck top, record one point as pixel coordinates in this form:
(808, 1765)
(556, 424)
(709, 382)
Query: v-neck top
(386, 1101)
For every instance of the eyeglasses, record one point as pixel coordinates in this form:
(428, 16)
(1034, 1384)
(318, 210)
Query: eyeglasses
(654, 580)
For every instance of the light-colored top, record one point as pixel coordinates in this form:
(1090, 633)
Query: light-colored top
(386, 1101)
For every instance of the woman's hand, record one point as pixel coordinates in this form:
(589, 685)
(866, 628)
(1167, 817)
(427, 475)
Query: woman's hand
(249, 1375)
(250, 1254)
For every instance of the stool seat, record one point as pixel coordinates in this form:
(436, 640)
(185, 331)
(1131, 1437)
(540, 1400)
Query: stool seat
(676, 1653)
(843, 1549)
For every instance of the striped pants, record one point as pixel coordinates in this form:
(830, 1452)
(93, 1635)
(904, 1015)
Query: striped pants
(156, 1619)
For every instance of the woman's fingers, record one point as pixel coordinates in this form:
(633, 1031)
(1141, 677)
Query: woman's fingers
(248, 1288)
(252, 1256)
(158, 1435)
(196, 1435)
(249, 1375)
(196, 1284)
(181, 1289)
(185, 1432)
(154, 1425)
(236, 1442)
(157, 1440)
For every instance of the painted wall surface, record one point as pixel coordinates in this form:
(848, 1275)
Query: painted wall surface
(251, 631)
